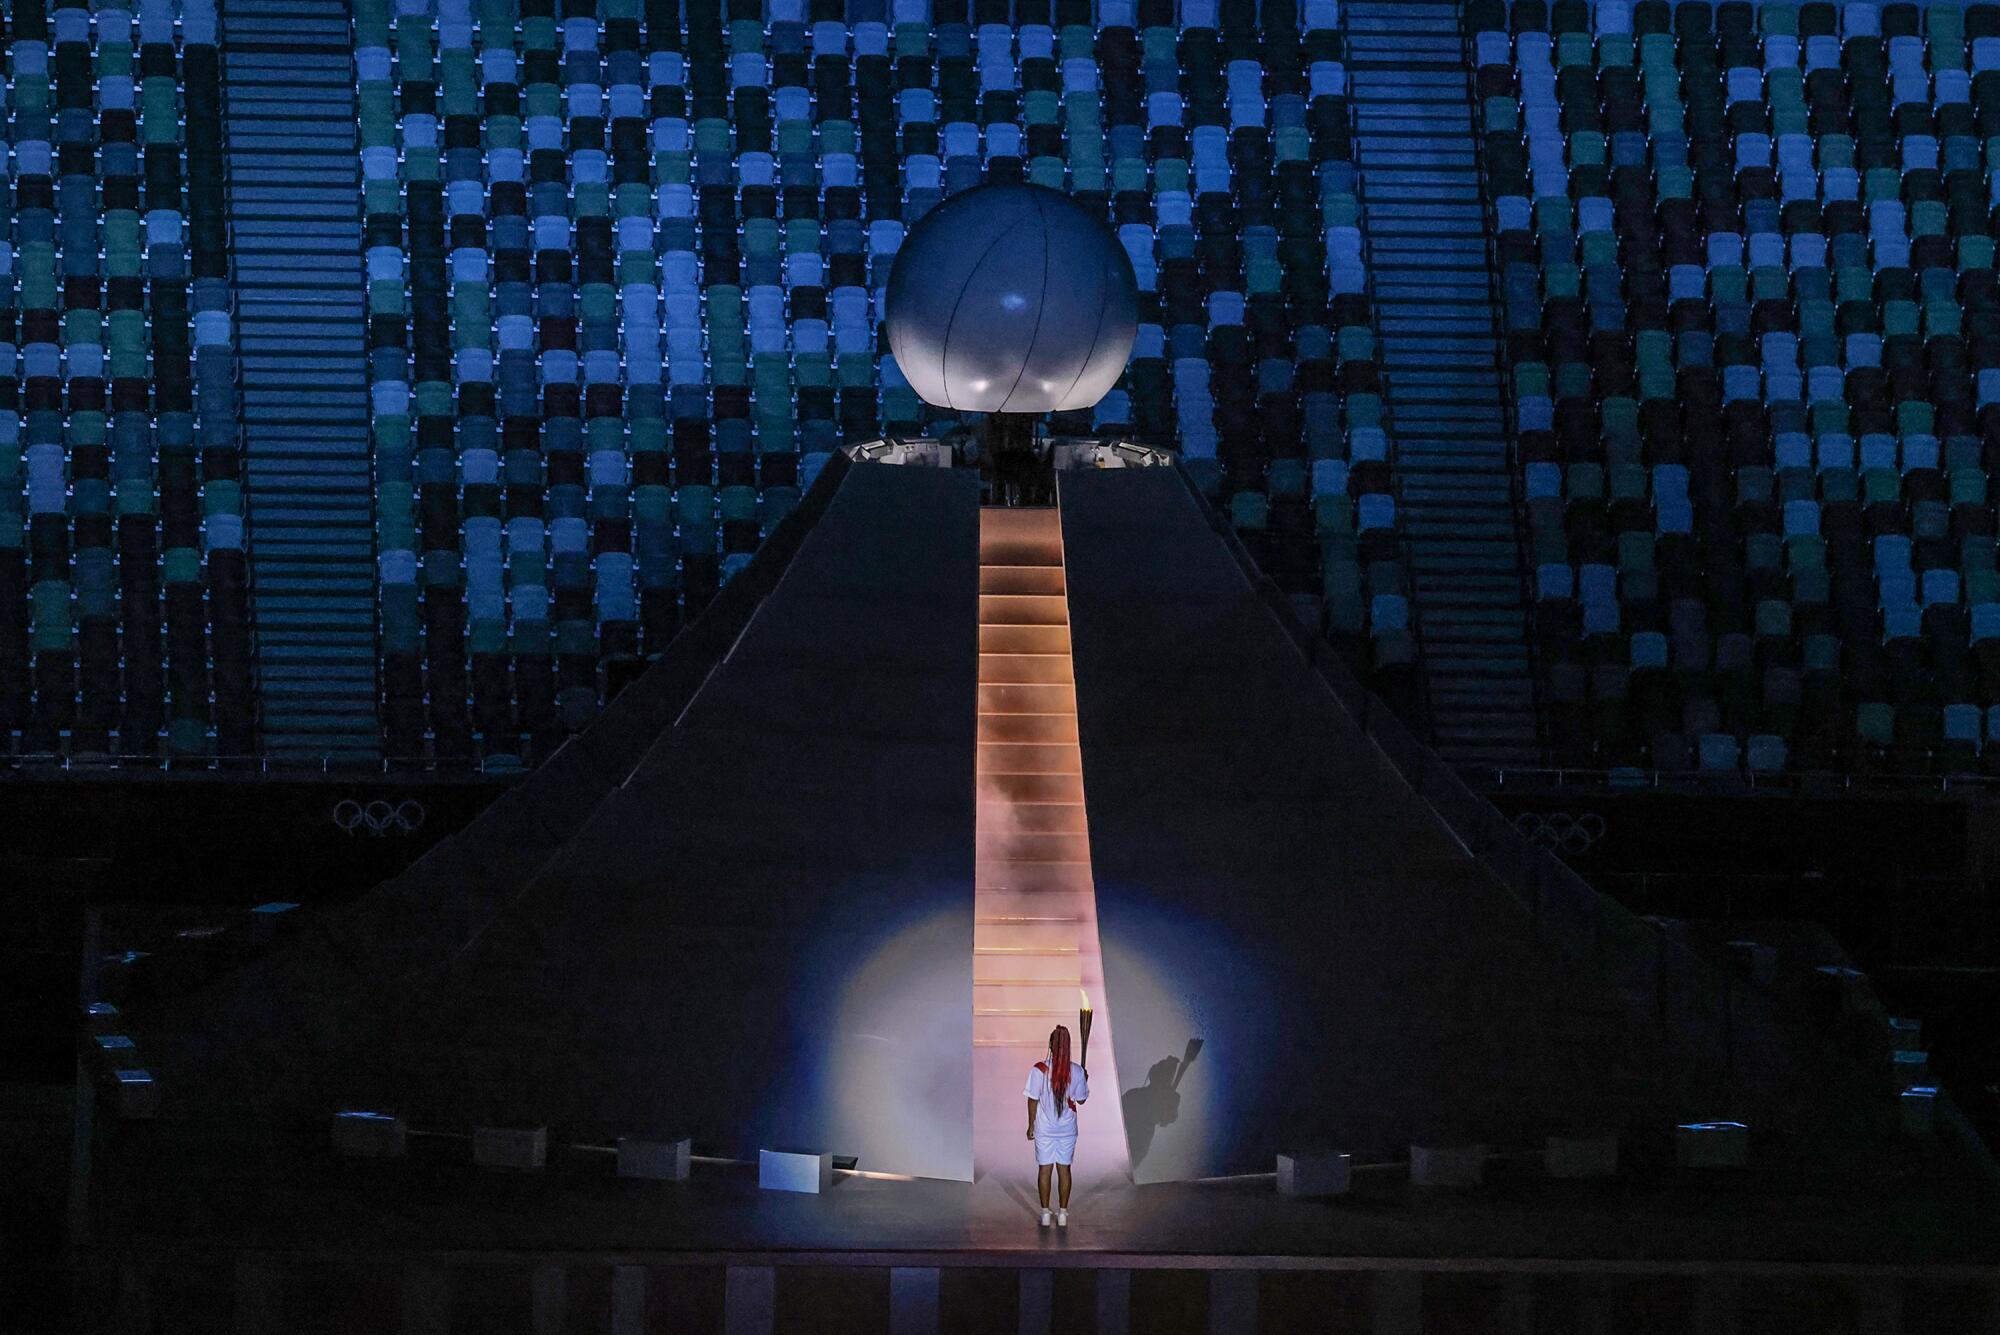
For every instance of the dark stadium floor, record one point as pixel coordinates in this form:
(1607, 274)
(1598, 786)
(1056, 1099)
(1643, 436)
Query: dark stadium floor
(174, 1197)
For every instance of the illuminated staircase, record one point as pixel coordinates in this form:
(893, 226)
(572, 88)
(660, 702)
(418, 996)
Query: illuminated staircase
(1034, 939)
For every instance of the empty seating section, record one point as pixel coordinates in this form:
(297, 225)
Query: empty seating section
(626, 260)
(123, 618)
(1747, 266)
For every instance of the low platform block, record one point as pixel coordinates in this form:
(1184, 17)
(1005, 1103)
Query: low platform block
(268, 920)
(658, 1158)
(1447, 1165)
(368, 1135)
(1757, 960)
(1581, 1156)
(1712, 1145)
(116, 1050)
(794, 1170)
(1314, 1173)
(1911, 1067)
(523, 1148)
(1841, 990)
(1919, 1110)
(136, 1093)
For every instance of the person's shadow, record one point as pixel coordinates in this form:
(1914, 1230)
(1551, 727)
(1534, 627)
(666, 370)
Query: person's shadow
(1157, 1103)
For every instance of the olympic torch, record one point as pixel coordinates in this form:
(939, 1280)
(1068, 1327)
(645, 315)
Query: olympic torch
(1083, 1029)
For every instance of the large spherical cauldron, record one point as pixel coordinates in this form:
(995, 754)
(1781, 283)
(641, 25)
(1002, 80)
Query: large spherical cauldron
(1011, 299)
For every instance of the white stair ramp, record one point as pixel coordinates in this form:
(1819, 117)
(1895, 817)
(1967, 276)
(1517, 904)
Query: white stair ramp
(1034, 937)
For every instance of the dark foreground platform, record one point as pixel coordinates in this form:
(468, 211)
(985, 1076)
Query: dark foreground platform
(281, 1237)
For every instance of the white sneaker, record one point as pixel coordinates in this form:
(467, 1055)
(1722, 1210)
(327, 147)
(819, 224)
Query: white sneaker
(1045, 1219)
(1062, 1218)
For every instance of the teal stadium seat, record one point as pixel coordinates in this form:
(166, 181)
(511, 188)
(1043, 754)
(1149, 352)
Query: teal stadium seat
(627, 260)
(123, 585)
(1746, 272)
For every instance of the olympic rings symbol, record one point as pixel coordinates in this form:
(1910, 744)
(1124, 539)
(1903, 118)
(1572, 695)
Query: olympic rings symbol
(1561, 831)
(379, 818)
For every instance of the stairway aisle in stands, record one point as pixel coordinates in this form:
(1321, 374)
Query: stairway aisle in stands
(1426, 229)
(1034, 935)
(295, 241)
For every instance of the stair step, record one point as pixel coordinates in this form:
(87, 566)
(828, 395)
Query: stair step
(1020, 727)
(1027, 698)
(1038, 847)
(1027, 758)
(1030, 1029)
(989, 899)
(1025, 669)
(1032, 998)
(1429, 269)
(1016, 788)
(296, 237)
(1006, 579)
(1034, 971)
(1023, 609)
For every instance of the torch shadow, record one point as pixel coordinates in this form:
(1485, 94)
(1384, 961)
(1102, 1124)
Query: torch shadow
(1156, 1104)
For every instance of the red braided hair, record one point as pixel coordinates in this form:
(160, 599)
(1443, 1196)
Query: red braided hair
(1059, 1066)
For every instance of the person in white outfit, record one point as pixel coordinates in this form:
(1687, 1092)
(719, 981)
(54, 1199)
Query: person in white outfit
(1056, 1089)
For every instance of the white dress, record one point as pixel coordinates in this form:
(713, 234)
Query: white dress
(1055, 1128)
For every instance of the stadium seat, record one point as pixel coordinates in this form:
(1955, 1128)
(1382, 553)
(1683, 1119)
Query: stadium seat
(664, 251)
(123, 584)
(1763, 227)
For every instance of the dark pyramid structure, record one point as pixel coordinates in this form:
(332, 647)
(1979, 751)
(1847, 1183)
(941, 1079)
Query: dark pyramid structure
(1278, 899)
(741, 905)
(741, 908)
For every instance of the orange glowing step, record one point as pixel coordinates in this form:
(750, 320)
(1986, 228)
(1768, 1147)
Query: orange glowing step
(1002, 843)
(1024, 640)
(1029, 758)
(1027, 697)
(994, 787)
(1036, 817)
(1046, 580)
(1044, 728)
(997, 669)
(1018, 609)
